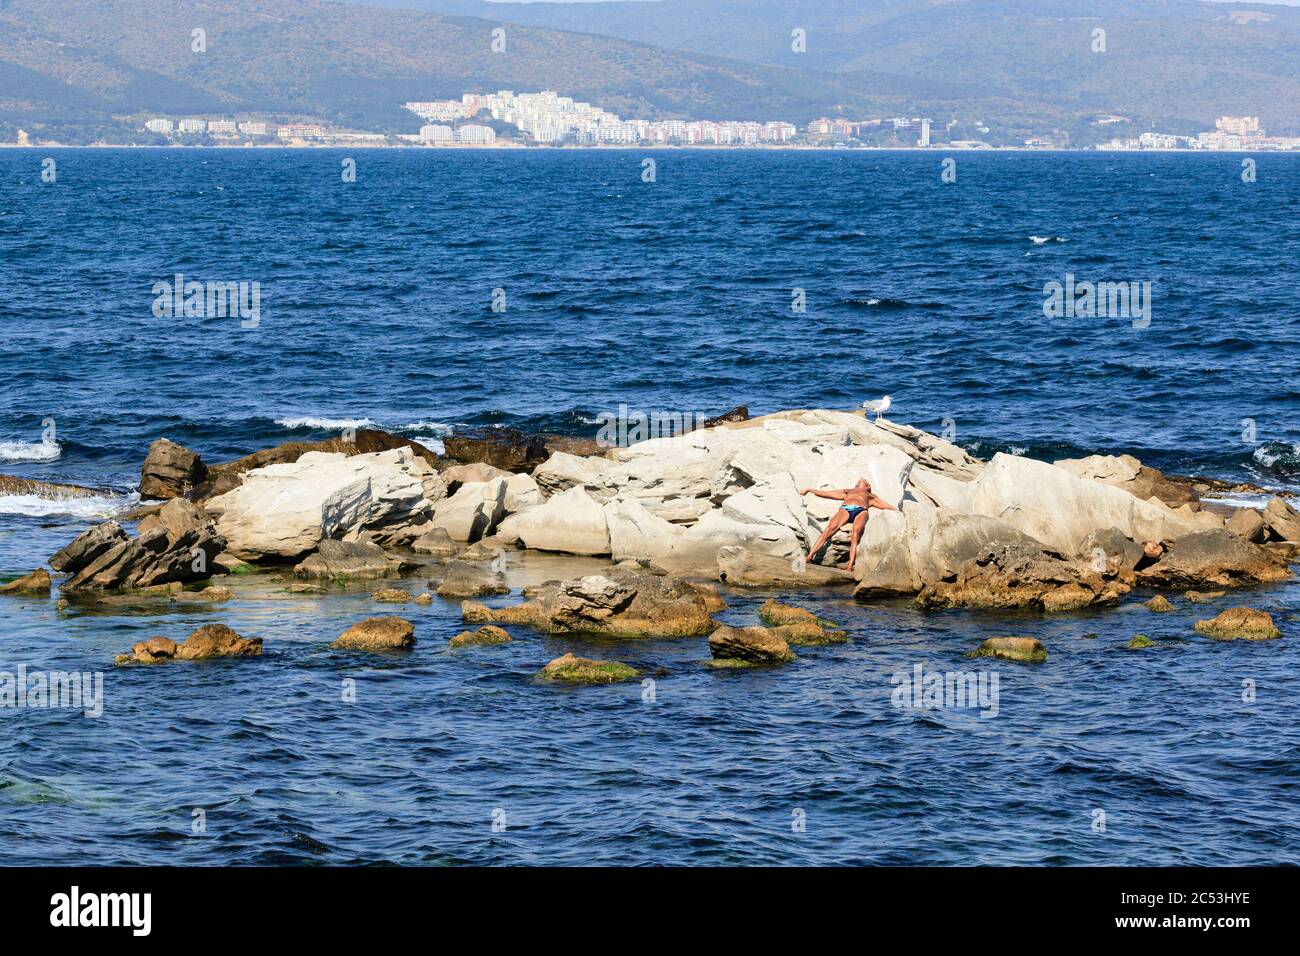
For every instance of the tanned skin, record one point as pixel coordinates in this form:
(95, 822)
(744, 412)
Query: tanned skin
(860, 495)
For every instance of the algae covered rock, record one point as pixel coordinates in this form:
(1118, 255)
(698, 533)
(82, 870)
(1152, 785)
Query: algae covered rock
(581, 670)
(1139, 641)
(38, 582)
(1160, 604)
(378, 634)
(485, 635)
(208, 642)
(753, 645)
(1028, 650)
(1240, 622)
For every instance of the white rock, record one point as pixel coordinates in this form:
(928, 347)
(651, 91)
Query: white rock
(285, 510)
(1060, 509)
(563, 471)
(572, 522)
(522, 493)
(635, 533)
(473, 511)
(697, 548)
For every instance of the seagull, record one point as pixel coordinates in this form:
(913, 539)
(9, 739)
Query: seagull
(880, 406)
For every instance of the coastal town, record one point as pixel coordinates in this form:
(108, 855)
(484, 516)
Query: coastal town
(506, 119)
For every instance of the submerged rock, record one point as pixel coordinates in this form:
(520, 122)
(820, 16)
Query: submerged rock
(581, 670)
(213, 594)
(743, 568)
(620, 604)
(1159, 604)
(170, 471)
(751, 645)
(485, 635)
(466, 579)
(378, 634)
(1139, 641)
(208, 642)
(391, 595)
(1240, 622)
(1028, 650)
(349, 560)
(36, 583)
(1204, 597)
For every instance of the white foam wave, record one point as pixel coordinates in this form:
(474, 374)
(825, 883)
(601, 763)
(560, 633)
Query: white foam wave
(29, 450)
(431, 442)
(1039, 240)
(1271, 453)
(311, 421)
(435, 428)
(100, 506)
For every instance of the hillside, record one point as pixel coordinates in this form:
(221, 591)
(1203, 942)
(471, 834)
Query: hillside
(63, 60)
(1165, 59)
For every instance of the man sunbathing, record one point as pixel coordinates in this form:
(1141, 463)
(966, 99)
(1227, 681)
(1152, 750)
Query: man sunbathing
(856, 500)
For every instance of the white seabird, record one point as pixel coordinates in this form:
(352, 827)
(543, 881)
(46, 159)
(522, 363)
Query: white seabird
(879, 406)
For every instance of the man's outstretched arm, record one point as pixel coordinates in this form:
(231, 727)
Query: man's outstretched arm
(881, 503)
(835, 494)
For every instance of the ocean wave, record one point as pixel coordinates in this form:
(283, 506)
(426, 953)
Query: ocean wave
(1279, 457)
(434, 428)
(431, 442)
(1040, 240)
(29, 451)
(99, 506)
(311, 421)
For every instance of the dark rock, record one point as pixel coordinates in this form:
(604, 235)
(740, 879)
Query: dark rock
(1214, 557)
(506, 448)
(738, 414)
(487, 634)
(1023, 575)
(170, 471)
(178, 544)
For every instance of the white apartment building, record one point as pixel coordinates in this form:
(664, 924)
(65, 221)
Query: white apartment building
(436, 134)
(192, 126)
(473, 134)
(222, 127)
(159, 126)
(254, 128)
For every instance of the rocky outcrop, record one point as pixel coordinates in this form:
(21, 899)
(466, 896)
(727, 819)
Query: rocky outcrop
(36, 583)
(1249, 524)
(749, 645)
(179, 543)
(378, 634)
(208, 642)
(1028, 650)
(364, 441)
(1138, 642)
(740, 567)
(1060, 509)
(473, 511)
(1128, 474)
(619, 604)
(349, 560)
(9, 485)
(571, 522)
(1283, 521)
(486, 635)
(1213, 558)
(467, 579)
(563, 471)
(1240, 622)
(284, 511)
(1022, 576)
(170, 471)
(1160, 604)
(504, 448)
(582, 670)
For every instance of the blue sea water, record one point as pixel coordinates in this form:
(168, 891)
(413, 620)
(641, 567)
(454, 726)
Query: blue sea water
(675, 296)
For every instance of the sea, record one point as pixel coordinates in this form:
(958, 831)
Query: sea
(427, 291)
